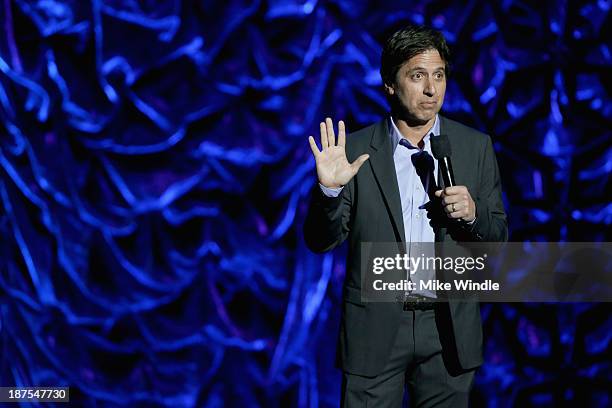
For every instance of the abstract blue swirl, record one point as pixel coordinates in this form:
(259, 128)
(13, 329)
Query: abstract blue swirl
(154, 173)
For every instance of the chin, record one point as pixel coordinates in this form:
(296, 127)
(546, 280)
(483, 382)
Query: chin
(427, 118)
(415, 116)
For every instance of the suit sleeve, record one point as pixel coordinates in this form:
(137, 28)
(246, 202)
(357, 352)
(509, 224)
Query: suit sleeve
(491, 224)
(327, 221)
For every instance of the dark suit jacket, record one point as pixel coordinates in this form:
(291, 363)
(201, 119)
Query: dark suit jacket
(369, 210)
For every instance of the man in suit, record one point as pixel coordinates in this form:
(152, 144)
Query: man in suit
(381, 184)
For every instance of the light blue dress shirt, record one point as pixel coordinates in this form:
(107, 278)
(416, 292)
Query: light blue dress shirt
(413, 196)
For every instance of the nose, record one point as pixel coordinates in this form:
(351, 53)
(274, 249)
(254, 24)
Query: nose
(429, 89)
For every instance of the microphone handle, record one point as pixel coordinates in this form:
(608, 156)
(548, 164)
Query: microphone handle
(447, 172)
(449, 178)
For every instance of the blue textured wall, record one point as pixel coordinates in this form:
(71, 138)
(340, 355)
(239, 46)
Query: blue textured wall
(154, 170)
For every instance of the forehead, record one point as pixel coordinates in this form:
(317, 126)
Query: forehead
(429, 59)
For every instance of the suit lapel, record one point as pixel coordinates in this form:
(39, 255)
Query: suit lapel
(383, 167)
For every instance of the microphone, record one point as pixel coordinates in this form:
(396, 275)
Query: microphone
(441, 149)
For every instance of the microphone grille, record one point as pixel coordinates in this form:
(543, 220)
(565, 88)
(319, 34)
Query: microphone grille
(440, 146)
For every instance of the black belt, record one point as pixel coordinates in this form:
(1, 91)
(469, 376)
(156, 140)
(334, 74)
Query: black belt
(418, 303)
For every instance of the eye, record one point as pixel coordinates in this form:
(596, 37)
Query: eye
(417, 75)
(439, 75)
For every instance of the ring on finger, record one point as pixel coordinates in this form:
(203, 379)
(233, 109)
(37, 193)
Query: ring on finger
(453, 207)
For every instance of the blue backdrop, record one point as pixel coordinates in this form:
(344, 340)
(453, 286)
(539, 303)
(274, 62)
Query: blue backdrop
(154, 172)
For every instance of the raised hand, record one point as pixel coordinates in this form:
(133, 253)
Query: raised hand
(333, 168)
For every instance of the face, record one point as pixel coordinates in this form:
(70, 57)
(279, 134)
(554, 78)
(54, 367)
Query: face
(418, 91)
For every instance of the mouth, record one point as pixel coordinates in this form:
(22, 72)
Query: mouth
(428, 105)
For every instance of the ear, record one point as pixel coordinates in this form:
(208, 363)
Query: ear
(389, 90)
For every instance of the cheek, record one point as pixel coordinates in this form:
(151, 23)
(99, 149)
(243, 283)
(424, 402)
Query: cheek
(442, 90)
(408, 94)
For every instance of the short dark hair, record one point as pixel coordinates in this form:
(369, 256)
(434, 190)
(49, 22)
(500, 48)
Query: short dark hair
(405, 44)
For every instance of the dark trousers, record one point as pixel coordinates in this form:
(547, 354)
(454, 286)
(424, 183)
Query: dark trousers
(415, 361)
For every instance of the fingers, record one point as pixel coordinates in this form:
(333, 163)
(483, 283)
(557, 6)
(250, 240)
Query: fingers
(456, 210)
(323, 129)
(341, 134)
(455, 201)
(331, 137)
(356, 165)
(313, 146)
(452, 192)
(328, 137)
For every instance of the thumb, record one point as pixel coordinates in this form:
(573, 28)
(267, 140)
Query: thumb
(439, 193)
(356, 165)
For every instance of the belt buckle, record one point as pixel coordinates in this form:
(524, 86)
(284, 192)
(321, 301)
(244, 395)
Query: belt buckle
(413, 302)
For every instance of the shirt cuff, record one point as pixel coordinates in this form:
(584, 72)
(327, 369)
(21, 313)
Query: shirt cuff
(471, 222)
(331, 192)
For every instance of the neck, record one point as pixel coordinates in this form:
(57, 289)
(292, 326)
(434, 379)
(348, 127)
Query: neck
(414, 132)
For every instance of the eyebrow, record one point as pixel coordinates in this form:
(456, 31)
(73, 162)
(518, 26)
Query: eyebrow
(424, 69)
